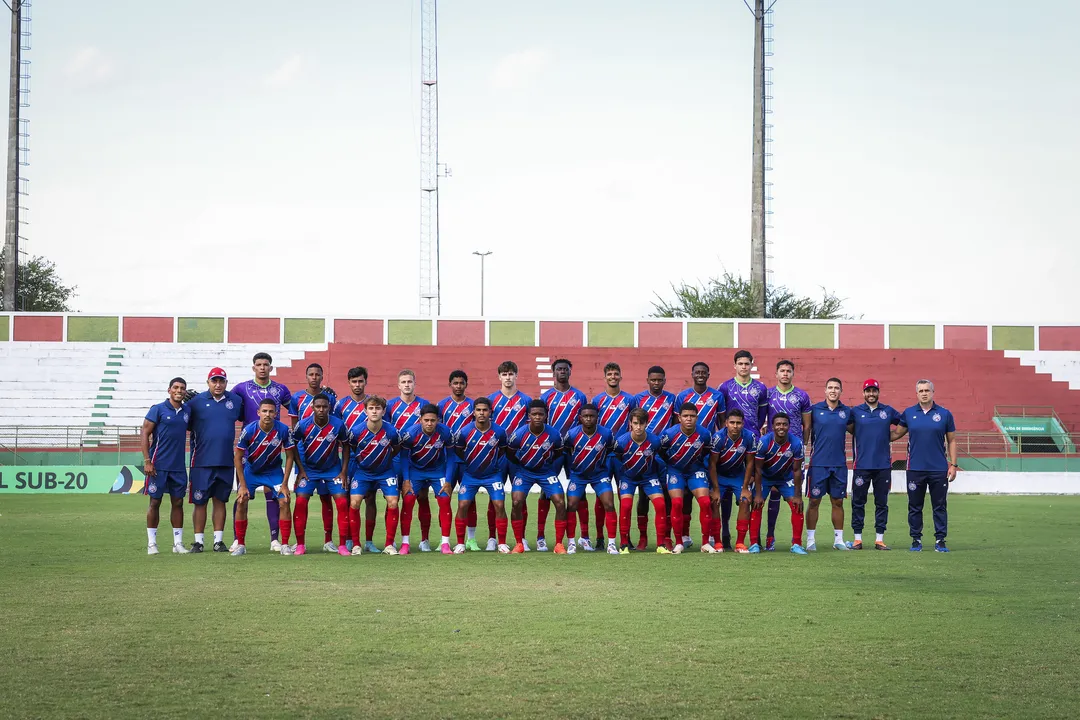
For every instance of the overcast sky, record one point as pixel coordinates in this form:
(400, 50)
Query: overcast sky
(263, 156)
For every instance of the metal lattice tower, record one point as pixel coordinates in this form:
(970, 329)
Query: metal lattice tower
(429, 160)
(767, 102)
(18, 155)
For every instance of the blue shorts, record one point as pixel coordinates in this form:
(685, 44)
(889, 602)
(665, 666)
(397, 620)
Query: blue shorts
(686, 479)
(324, 483)
(454, 471)
(831, 481)
(173, 482)
(549, 484)
(786, 488)
(421, 485)
(651, 486)
(730, 484)
(210, 482)
(363, 484)
(492, 483)
(271, 480)
(577, 486)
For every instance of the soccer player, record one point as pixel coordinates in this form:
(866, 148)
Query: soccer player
(660, 406)
(638, 466)
(870, 425)
(480, 446)
(214, 414)
(711, 408)
(455, 412)
(731, 470)
(614, 405)
(163, 439)
(423, 459)
(685, 448)
(509, 410)
(786, 398)
(778, 463)
(252, 393)
(257, 460)
(321, 442)
(300, 408)
(931, 433)
(587, 447)
(351, 410)
(752, 397)
(403, 412)
(828, 462)
(534, 451)
(563, 404)
(374, 445)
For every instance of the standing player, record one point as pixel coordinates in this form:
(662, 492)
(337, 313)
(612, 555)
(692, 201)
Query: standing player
(711, 408)
(752, 397)
(870, 425)
(931, 433)
(637, 456)
(162, 439)
(321, 442)
(828, 462)
(509, 410)
(685, 448)
(455, 412)
(785, 398)
(659, 404)
(534, 450)
(257, 459)
(563, 404)
(352, 411)
(778, 463)
(480, 446)
(299, 409)
(588, 450)
(403, 412)
(374, 445)
(214, 414)
(731, 470)
(614, 405)
(252, 393)
(423, 459)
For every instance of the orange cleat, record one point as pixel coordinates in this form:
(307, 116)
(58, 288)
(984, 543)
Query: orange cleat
(560, 549)
(718, 547)
(518, 548)
(741, 549)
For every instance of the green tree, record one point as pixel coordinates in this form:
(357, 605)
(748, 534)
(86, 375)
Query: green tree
(40, 287)
(732, 296)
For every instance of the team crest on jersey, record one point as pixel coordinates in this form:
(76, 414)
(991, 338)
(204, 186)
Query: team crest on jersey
(754, 391)
(624, 485)
(491, 442)
(936, 418)
(859, 481)
(815, 492)
(354, 485)
(912, 486)
(883, 415)
(572, 486)
(842, 414)
(275, 390)
(546, 445)
(517, 481)
(151, 488)
(437, 444)
(383, 442)
(647, 453)
(787, 454)
(696, 444)
(621, 405)
(517, 406)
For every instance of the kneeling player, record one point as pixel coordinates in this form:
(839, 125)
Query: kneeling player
(374, 444)
(534, 456)
(778, 463)
(731, 469)
(685, 448)
(423, 462)
(587, 449)
(637, 467)
(480, 447)
(257, 459)
(320, 441)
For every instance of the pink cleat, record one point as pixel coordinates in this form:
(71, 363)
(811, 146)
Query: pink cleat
(404, 549)
(301, 549)
(445, 549)
(342, 550)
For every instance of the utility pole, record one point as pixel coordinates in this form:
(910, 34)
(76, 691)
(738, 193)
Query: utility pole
(15, 104)
(758, 252)
(482, 255)
(430, 168)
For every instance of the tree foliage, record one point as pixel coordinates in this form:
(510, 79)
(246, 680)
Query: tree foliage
(732, 296)
(40, 287)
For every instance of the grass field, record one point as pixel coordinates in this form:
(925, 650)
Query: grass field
(93, 627)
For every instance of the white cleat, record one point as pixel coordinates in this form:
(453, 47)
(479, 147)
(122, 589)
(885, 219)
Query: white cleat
(357, 550)
(459, 549)
(687, 542)
(179, 549)
(811, 547)
(240, 550)
(329, 547)
(612, 548)
(425, 546)
(708, 549)
(287, 550)
(525, 544)
(678, 549)
(571, 548)
(492, 545)
(504, 549)
(275, 546)
(541, 545)
(389, 550)
(235, 544)
(585, 544)
(151, 549)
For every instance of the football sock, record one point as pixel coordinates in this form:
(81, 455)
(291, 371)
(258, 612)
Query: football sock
(300, 518)
(612, 520)
(838, 536)
(343, 522)
(543, 505)
(423, 514)
(353, 518)
(858, 537)
(626, 507)
(810, 540)
(445, 539)
(406, 515)
(741, 526)
(491, 519)
(774, 513)
(601, 520)
(151, 536)
(391, 524)
(404, 539)
(460, 525)
(472, 521)
(219, 536)
(676, 516)
(470, 531)
(879, 537)
(500, 530)
(177, 535)
(273, 517)
(525, 517)
(660, 521)
(796, 524)
(705, 517)
(369, 530)
(643, 523)
(234, 531)
(560, 531)
(755, 526)
(445, 515)
(570, 524)
(716, 531)
(519, 530)
(327, 517)
(200, 538)
(285, 528)
(583, 518)
(241, 531)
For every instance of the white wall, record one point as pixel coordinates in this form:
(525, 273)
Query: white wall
(1063, 365)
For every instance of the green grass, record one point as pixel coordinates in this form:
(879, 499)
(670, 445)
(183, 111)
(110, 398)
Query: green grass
(92, 627)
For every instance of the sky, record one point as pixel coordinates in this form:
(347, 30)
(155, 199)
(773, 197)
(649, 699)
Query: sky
(263, 156)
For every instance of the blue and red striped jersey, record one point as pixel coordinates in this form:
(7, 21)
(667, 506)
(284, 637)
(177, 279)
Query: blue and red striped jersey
(536, 454)
(373, 452)
(752, 399)
(637, 460)
(426, 452)
(683, 452)
(794, 402)
(731, 454)
(351, 412)
(586, 455)
(615, 411)
(455, 415)
(661, 409)
(403, 415)
(509, 413)
(300, 407)
(481, 450)
(320, 447)
(263, 448)
(563, 407)
(778, 458)
(710, 406)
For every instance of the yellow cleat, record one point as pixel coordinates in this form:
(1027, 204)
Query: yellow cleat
(662, 551)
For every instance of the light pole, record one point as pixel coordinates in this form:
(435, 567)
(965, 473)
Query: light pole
(481, 255)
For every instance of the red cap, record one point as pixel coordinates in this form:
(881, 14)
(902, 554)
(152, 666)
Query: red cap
(871, 383)
(217, 373)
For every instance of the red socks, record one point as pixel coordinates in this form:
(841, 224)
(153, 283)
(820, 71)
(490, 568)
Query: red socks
(406, 516)
(796, 524)
(472, 515)
(500, 530)
(676, 517)
(519, 529)
(583, 518)
(741, 526)
(423, 514)
(612, 520)
(755, 527)
(343, 520)
(490, 519)
(543, 505)
(391, 525)
(661, 522)
(460, 525)
(717, 530)
(601, 520)
(240, 528)
(327, 518)
(705, 516)
(284, 528)
(570, 524)
(354, 525)
(626, 507)
(445, 515)
(300, 517)
(560, 531)
(643, 521)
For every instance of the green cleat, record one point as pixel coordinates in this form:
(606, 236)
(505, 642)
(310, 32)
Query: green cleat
(472, 546)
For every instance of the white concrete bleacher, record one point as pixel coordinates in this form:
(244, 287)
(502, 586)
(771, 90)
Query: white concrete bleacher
(1063, 365)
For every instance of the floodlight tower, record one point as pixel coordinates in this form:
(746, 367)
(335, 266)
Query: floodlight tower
(762, 137)
(429, 160)
(18, 148)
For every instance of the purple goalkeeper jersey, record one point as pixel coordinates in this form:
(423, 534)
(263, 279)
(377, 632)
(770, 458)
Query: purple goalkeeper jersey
(794, 402)
(752, 399)
(252, 394)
